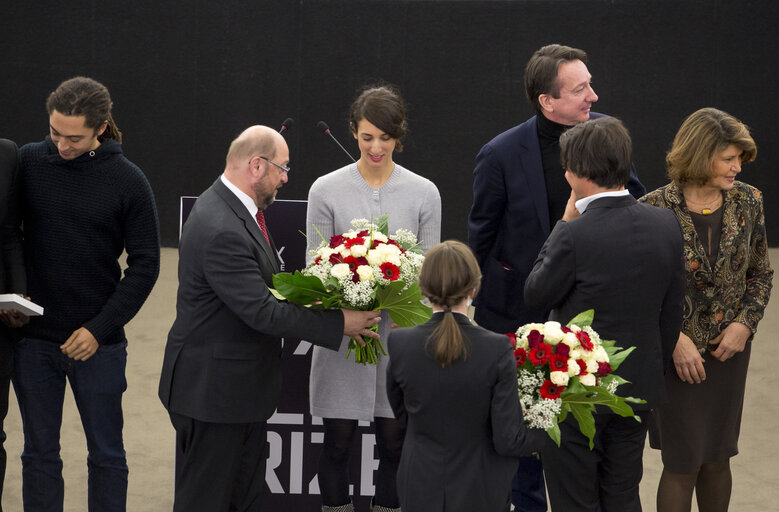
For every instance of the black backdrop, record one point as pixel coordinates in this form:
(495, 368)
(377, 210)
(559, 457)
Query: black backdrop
(187, 76)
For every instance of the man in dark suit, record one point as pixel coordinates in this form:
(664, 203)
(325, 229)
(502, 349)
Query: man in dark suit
(221, 374)
(518, 193)
(624, 260)
(12, 276)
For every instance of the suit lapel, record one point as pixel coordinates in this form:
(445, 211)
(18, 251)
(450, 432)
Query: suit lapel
(249, 223)
(530, 156)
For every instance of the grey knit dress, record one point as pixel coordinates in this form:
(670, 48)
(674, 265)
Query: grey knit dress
(339, 387)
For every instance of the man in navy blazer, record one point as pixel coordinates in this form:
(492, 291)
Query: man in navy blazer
(221, 374)
(12, 275)
(519, 192)
(611, 254)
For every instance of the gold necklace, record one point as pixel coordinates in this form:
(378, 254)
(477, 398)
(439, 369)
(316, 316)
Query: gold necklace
(707, 205)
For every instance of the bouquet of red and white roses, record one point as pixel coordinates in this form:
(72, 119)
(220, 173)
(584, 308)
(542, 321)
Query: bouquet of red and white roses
(363, 269)
(568, 369)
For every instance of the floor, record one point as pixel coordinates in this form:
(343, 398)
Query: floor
(149, 435)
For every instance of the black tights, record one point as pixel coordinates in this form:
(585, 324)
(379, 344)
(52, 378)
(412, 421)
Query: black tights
(712, 484)
(334, 461)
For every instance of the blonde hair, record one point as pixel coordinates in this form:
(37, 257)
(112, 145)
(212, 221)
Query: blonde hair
(448, 276)
(701, 137)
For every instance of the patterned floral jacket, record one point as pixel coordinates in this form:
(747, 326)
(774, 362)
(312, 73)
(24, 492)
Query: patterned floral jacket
(738, 287)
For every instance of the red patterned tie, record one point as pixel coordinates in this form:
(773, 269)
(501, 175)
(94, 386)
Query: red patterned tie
(261, 221)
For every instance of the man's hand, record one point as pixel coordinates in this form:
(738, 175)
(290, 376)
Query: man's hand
(570, 208)
(81, 345)
(357, 323)
(732, 340)
(13, 318)
(688, 361)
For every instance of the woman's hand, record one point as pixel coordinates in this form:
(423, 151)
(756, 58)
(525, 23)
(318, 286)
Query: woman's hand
(688, 361)
(730, 341)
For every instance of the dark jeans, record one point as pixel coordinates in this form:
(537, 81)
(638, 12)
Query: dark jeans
(528, 491)
(6, 360)
(40, 370)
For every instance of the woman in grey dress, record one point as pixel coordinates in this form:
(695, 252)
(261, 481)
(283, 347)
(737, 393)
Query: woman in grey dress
(341, 391)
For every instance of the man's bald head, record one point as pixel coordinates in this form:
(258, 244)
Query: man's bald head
(253, 141)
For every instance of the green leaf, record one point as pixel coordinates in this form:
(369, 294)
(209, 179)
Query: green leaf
(554, 433)
(299, 288)
(617, 358)
(582, 319)
(586, 422)
(404, 306)
(383, 224)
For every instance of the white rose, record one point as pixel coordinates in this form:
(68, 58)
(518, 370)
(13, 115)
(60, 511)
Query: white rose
(359, 251)
(592, 365)
(600, 354)
(573, 368)
(570, 339)
(340, 271)
(576, 353)
(587, 380)
(381, 237)
(365, 272)
(559, 378)
(553, 333)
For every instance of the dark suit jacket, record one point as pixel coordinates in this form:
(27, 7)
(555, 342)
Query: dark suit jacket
(223, 357)
(12, 275)
(624, 260)
(465, 424)
(509, 222)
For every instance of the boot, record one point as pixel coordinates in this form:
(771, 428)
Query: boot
(341, 508)
(379, 508)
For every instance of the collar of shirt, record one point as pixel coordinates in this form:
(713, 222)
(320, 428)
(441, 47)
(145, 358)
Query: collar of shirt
(582, 203)
(247, 201)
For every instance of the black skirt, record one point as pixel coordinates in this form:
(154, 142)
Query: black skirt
(701, 422)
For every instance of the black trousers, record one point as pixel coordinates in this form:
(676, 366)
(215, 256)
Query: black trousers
(220, 467)
(604, 479)
(6, 365)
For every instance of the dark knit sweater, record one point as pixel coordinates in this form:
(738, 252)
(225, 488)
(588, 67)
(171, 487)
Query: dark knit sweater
(79, 216)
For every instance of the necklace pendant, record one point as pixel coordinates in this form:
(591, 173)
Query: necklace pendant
(706, 211)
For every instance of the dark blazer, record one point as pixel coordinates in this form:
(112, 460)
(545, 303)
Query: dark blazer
(12, 275)
(222, 361)
(509, 222)
(465, 426)
(623, 259)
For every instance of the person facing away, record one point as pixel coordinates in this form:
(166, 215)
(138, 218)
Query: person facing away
(519, 191)
(221, 372)
(624, 260)
(456, 385)
(12, 277)
(340, 391)
(728, 284)
(85, 203)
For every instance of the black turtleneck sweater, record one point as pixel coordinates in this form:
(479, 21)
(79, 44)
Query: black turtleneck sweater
(557, 189)
(79, 215)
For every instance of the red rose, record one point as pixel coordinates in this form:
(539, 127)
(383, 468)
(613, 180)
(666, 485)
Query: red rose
(354, 241)
(563, 350)
(375, 243)
(317, 260)
(512, 338)
(582, 367)
(364, 232)
(390, 271)
(336, 258)
(336, 240)
(521, 355)
(550, 390)
(558, 363)
(603, 369)
(540, 354)
(584, 340)
(565, 329)
(534, 338)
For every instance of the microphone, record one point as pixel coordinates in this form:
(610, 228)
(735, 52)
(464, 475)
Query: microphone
(326, 129)
(286, 125)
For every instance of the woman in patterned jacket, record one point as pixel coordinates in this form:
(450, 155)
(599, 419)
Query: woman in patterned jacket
(728, 283)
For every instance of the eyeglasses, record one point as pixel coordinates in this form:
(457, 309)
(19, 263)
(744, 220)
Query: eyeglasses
(282, 167)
